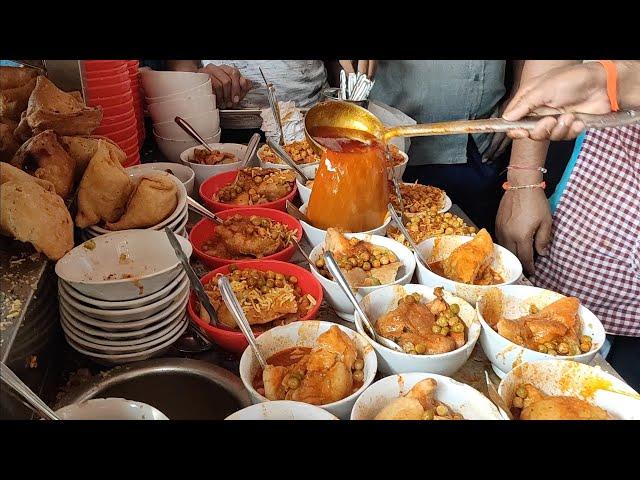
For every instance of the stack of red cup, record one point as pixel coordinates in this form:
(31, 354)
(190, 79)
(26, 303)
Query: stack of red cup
(108, 84)
(132, 66)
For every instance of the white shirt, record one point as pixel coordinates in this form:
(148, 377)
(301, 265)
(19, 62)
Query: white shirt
(299, 80)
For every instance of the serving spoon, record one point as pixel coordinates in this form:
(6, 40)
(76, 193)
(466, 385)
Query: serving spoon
(25, 394)
(284, 156)
(497, 399)
(335, 271)
(252, 146)
(234, 307)
(296, 213)
(186, 126)
(205, 212)
(362, 124)
(405, 232)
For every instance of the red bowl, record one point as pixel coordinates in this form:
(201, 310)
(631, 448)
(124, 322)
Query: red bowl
(133, 63)
(94, 82)
(118, 109)
(128, 142)
(115, 119)
(124, 134)
(205, 230)
(109, 90)
(99, 65)
(103, 129)
(215, 183)
(131, 161)
(112, 101)
(233, 340)
(105, 73)
(131, 151)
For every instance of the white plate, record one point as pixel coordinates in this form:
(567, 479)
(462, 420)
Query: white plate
(174, 285)
(132, 314)
(110, 409)
(282, 410)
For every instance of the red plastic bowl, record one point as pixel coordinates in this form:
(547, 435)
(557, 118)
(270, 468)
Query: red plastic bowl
(117, 126)
(96, 65)
(132, 151)
(111, 101)
(205, 230)
(111, 119)
(118, 109)
(215, 183)
(107, 80)
(132, 141)
(131, 161)
(233, 340)
(91, 74)
(122, 135)
(109, 90)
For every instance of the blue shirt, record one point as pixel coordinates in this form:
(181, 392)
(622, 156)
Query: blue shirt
(562, 184)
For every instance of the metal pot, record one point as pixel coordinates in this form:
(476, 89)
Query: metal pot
(181, 388)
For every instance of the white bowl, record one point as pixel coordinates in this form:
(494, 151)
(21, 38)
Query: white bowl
(505, 355)
(129, 314)
(77, 317)
(97, 335)
(110, 409)
(316, 235)
(382, 300)
(398, 170)
(309, 169)
(303, 191)
(505, 263)
(151, 261)
(282, 410)
(199, 91)
(206, 124)
(203, 172)
(173, 148)
(125, 347)
(304, 334)
(463, 399)
(182, 172)
(157, 83)
(334, 294)
(118, 359)
(446, 203)
(175, 284)
(567, 378)
(200, 112)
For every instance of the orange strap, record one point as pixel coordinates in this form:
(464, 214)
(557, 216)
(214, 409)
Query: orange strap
(612, 83)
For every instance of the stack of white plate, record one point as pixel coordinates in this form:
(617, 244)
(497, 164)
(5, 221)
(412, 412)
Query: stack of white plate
(177, 221)
(125, 299)
(184, 94)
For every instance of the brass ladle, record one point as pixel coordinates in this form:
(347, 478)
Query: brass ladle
(362, 123)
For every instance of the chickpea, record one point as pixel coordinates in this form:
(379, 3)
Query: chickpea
(358, 375)
(407, 347)
(427, 415)
(442, 410)
(320, 262)
(375, 264)
(353, 261)
(442, 321)
(366, 266)
(358, 364)
(264, 289)
(416, 296)
(421, 348)
(384, 260)
(533, 309)
(521, 391)
(409, 299)
(585, 347)
(444, 331)
(353, 241)
(279, 276)
(454, 308)
(563, 349)
(458, 327)
(551, 351)
(585, 339)
(365, 257)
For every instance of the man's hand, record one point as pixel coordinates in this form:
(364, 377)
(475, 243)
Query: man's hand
(579, 88)
(228, 84)
(524, 219)
(368, 67)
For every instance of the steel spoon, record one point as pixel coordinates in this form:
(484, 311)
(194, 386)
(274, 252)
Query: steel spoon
(497, 399)
(404, 231)
(182, 123)
(284, 156)
(31, 400)
(252, 146)
(296, 213)
(205, 212)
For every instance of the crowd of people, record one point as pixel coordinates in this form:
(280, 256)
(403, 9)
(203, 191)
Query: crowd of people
(579, 236)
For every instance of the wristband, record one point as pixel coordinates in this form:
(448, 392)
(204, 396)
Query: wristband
(506, 186)
(612, 83)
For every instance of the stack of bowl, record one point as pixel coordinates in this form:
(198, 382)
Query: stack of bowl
(177, 221)
(123, 298)
(108, 83)
(132, 67)
(184, 94)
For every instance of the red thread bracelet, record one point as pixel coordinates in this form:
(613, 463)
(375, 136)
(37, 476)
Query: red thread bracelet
(612, 83)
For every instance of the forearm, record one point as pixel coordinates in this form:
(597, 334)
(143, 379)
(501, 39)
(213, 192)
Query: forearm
(183, 65)
(628, 83)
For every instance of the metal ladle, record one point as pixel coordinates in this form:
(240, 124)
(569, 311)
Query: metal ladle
(205, 212)
(362, 124)
(186, 126)
(335, 271)
(234, 307)
(284, 156)
(252, 146)
(29, 398)
(405, 232)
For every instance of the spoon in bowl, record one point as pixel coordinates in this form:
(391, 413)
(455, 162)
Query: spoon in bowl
(296, 213)
(284, 156)
(234, 307)
(205, 212)
(186, 126)
(404, 232)
(335, 271)
(301, 250)
(496, 398)
(252, 146)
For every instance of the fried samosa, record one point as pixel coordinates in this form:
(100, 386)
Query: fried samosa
(51, 108)
(12, 77)
(82, 148)
(104, 189)
(9, 144)
(467, 262)
(153, 200)
(45, 158)
(30, 213)
(13, 101)
(9, 173)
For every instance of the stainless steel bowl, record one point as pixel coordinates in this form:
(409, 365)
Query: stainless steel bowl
(181, 388)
